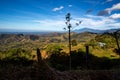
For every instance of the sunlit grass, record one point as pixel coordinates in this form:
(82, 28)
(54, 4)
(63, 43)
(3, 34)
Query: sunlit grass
(96, 51)
(105, 53)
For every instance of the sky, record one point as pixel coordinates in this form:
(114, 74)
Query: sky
(49, 15)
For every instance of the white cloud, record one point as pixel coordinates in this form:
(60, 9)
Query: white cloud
(114, 7)
(98, 22)
(58, 8)
(109, 10)
(92, 16)
(69, 5)
(89, 21)
(115, 16)
(51, 24)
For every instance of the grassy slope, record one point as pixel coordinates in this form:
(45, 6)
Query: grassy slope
(12, 41)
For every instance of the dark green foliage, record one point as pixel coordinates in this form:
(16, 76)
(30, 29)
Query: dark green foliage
(110, 41)
(117, 51)
(107, 38)
(92, 43)
(16, 57)
(74, 42)
(53, 48)
(59, 61)
(14, 53)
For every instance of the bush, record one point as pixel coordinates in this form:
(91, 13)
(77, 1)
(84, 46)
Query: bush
(53, 49)
(16, 53)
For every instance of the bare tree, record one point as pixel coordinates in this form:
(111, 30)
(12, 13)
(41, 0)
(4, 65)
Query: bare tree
(68, 18)
(69, 26)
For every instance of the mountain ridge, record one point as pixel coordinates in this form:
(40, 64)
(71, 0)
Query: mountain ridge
(10, 31)
(95, 30)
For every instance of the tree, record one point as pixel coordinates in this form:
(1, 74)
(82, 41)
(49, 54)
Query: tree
(53, 49)
(69, 25)
(116, 35)
(74, 42)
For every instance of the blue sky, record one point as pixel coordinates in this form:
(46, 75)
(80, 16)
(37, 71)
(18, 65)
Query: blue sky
(50, 14)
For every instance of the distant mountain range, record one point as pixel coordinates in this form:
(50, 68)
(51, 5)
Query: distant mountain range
(14, 31)
(95, 30)
(9, 31)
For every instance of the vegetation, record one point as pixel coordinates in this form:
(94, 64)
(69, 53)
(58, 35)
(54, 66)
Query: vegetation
(18, 53)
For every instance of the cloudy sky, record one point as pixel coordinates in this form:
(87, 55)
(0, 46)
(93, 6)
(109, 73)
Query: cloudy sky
(50, 14)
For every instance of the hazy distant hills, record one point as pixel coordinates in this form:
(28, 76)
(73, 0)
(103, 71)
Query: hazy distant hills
(9, 31)
(95, 30)
(14, 31)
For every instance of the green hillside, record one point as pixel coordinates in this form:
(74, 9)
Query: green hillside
(18, 55)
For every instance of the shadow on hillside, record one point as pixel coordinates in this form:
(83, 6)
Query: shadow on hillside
(15, 61)
(60, 61)
(78, 61)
